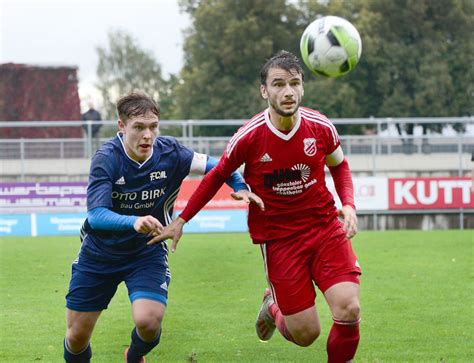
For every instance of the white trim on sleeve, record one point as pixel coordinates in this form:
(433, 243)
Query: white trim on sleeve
(198, 165)
(336, 157)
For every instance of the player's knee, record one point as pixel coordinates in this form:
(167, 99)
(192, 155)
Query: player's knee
(77, 341)
(349, 311)
(353, 311)
(148, 325)
(305, 337)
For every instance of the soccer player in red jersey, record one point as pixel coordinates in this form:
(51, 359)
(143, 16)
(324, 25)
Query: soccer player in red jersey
(285, 149)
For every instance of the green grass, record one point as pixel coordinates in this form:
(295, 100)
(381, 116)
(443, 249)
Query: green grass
(417, 301)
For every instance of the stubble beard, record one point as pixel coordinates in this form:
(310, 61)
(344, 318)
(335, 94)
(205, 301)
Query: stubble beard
(279, 111)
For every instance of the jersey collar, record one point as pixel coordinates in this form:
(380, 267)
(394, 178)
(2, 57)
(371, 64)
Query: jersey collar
(277, 132)
(120, 136)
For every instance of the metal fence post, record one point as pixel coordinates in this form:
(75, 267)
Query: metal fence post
(460, 142)
(374, 156)
(22, 159)
(89, 138)
(61, 150)
(190, 130)
(184, 130)
(379, 131)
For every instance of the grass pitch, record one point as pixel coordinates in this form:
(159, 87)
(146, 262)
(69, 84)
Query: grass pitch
(416, 295)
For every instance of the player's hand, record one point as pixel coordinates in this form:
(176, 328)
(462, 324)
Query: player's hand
(248, 197)
(174, 230)
(148, 225)
(350, 220)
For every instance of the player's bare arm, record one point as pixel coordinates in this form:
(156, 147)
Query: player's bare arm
(347, 212)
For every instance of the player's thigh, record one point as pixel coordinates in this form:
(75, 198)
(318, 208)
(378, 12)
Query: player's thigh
(335, 260)
(90, 291)
(287, 267)
(149, 278)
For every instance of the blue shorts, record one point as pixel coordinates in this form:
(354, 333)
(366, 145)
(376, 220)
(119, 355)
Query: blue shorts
(93, 284)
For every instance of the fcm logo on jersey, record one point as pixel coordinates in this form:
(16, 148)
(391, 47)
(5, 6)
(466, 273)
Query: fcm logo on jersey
(156, 175)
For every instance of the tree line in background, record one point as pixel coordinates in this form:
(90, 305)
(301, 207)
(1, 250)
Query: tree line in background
(416, 60)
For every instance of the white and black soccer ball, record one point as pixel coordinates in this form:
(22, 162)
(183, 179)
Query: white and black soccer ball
(331, 46)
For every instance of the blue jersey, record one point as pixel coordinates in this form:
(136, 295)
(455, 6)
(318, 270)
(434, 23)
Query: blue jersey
(127, 187)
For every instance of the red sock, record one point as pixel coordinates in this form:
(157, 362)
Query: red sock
(342, 341)
(280, 322)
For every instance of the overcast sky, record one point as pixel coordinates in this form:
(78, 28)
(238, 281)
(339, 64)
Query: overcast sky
(66, 32)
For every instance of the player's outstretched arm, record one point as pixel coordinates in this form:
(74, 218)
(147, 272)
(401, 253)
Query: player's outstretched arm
(105, 219)
(174, 230)
(206, 190)
(235, 180)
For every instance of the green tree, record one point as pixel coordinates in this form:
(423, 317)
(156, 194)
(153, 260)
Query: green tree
(224, 50)
(124, 67)
(418, 58)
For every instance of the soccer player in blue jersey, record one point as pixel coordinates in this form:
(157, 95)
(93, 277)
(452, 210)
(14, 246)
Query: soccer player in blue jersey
(133, 183)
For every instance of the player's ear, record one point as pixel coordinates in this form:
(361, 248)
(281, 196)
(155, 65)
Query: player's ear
(263, 92)
(121, 125)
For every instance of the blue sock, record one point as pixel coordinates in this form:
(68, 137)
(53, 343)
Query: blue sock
(82, 357)
(139, 348)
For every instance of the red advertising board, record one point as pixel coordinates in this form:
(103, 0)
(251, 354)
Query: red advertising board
(430, 193)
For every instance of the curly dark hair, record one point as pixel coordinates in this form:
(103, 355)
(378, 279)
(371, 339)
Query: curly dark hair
(284, 60)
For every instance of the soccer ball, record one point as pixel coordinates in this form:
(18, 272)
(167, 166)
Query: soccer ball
(331, 46)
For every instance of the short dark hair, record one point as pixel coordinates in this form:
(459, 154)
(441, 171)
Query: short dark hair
(136, 103)
(284, 60)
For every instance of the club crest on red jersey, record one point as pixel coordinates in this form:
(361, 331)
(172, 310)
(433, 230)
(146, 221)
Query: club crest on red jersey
(310, 146)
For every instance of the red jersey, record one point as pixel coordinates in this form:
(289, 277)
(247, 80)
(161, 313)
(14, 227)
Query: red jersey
(286, 170)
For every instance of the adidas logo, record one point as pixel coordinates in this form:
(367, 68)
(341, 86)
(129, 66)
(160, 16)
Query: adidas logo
(164, 286)
(266, 158)
(120, 181)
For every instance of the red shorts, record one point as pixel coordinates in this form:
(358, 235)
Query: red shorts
(322, 255)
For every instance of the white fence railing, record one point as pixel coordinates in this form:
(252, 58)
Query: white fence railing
(381, 138)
